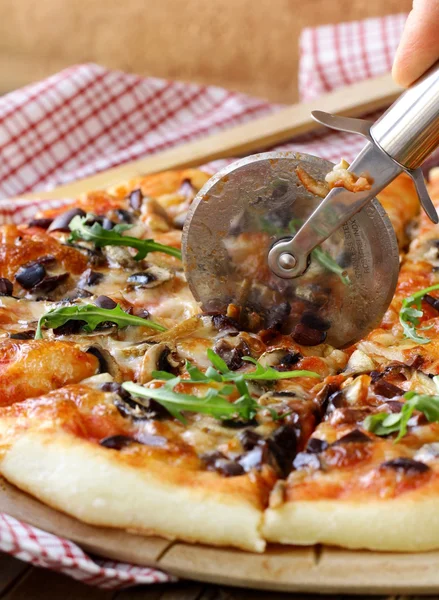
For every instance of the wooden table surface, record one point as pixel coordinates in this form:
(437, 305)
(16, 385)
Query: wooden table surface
(21, 581)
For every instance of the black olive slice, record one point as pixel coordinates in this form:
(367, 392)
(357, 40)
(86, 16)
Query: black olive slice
(105, 302)
(355, 436)
(29, 276)
(43, 223)
(315, 446)
(62, 221)
(406, 465)
(117, 442)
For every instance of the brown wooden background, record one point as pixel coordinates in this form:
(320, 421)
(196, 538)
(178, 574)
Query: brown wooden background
(247, 45)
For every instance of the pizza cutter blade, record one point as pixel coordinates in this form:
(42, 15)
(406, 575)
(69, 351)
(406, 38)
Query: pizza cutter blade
(259, 242)
(244, 210)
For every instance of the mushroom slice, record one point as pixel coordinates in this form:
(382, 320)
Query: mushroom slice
(159, 357)
(107, 363)
(119, 256)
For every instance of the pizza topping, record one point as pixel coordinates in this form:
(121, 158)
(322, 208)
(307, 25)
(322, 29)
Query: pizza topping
(217, 461)
(159, 357)
(30, 275)
(215, 403)
(105, 302)
(315, 446)
(80, 230)
(225, 324)
(306, 460)
(49, 284)
(249, 439)
(393, 406)
(387, 389)
(427, 452)
(116, 388)
(355, 436)
(383, 423)
(411, 313)
(62, 221)
(218, 399)
(107, 364)
(90, 278)
(283, 444)
(6, 287)
(43, 223)
(90, 317)
(117, 442)
(341, 177)
(307, 336)
(150, 277)
(405, 465)
(433, 302)
(314, 321)
(23, 335)
(135, 199)
(358, 363)
(232, 351)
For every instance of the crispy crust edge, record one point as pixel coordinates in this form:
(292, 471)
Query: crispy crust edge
(82, 479)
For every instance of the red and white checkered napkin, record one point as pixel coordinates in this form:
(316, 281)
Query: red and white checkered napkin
(87, 119)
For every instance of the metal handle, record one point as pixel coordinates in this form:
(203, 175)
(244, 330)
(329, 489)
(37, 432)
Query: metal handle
(409, 130)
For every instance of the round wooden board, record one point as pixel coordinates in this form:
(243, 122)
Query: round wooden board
(280, 568)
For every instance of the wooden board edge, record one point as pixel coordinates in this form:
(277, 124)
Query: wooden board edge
(280, 568)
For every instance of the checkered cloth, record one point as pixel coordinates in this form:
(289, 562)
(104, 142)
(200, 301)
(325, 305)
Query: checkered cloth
(87, 119)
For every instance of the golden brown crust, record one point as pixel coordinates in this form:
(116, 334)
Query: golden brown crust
(34, 367)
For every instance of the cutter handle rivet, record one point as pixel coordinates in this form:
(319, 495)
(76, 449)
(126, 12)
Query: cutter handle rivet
(287, 261)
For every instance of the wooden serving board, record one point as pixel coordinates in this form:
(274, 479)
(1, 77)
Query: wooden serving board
(316, 569)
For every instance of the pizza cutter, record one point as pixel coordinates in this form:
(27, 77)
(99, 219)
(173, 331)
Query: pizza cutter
(259, 242)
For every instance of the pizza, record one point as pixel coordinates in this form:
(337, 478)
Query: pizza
(124, 405)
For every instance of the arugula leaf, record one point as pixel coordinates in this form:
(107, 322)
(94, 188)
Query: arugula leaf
(221, 372)
(323, 257)
(245, 407)
(410, 313)
(384, 423)
(270, 374)
(93, 316)
(214, 403)
(217, 361)
(113, 237)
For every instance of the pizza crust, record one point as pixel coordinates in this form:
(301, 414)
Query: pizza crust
(405, 524)
(84, 481)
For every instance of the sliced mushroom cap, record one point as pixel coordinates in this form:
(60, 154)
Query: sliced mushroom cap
(154, 215)
(107, 364)
(149, 277)
(272, 358)
(119, 256)
(159, 357)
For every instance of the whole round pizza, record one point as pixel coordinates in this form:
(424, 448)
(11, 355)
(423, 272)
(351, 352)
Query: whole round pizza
(126, 406)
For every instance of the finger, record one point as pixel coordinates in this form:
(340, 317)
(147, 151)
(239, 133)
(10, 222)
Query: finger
(419, 46)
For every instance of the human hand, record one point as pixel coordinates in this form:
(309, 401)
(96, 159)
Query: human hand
(419, 46)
